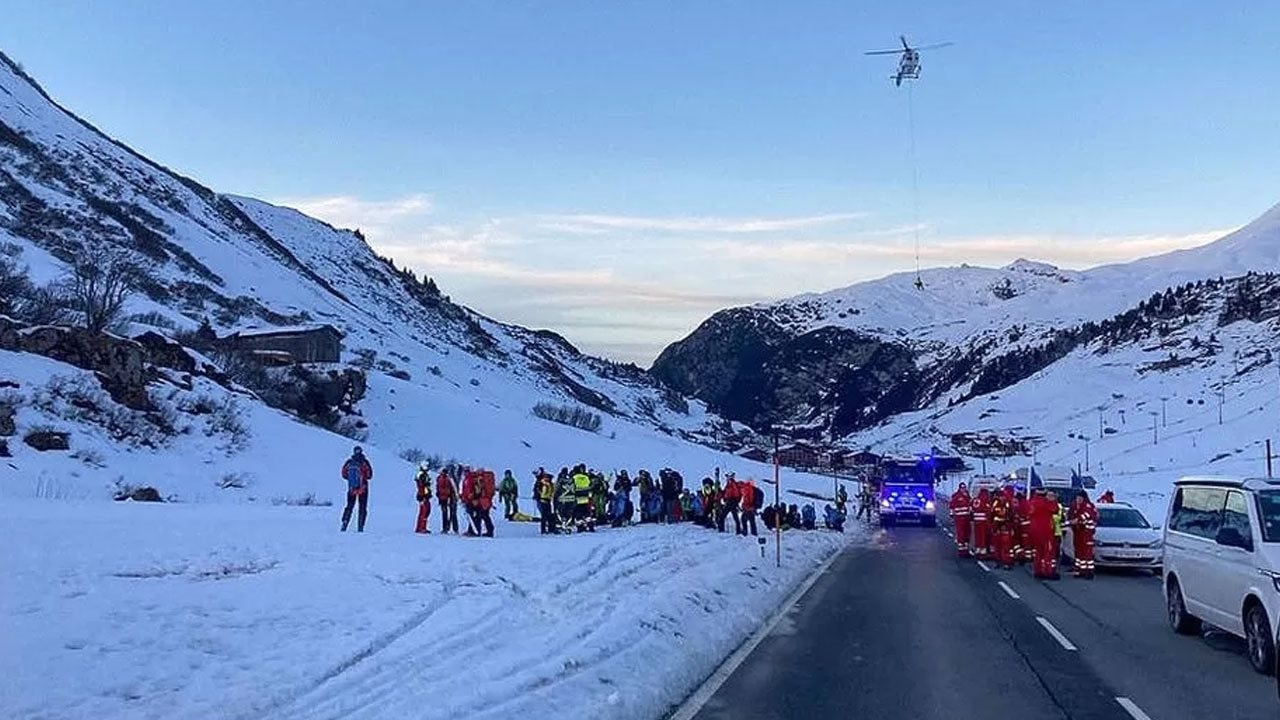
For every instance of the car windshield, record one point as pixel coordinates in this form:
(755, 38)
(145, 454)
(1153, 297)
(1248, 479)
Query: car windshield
(1269, 511)
(1121, 518)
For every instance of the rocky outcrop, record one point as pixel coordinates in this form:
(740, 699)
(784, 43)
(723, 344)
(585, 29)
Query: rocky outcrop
(121, 365)
(46, 440)
(7, 425)
(748, 368)
(124, 367)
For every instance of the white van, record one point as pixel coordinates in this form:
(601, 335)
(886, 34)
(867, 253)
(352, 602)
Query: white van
(1222, 560)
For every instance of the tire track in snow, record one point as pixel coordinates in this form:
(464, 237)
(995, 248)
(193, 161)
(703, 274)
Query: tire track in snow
(379, 643)
(396, 686)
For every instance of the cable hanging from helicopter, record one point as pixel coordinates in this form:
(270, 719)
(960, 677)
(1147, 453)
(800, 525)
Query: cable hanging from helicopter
(909, 69)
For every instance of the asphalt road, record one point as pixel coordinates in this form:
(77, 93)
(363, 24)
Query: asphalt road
(904, 629)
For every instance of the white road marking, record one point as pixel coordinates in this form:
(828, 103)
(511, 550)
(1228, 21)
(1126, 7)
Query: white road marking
(1057, 634)
(983, 566)
(1132, 709)
(694, 703)
(1009, 591)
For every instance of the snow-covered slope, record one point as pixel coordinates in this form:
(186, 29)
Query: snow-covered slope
(239, 263)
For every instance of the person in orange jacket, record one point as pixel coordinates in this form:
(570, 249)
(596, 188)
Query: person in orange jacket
(750, 500)
(447, 497)
(423, 481)
(982, 524)
(478, 489)
(1083, 519)
(732, 498)
(962, 517)
(1002, 526)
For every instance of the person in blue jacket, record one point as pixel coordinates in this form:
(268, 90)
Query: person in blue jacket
(808, 517)
(833, 518)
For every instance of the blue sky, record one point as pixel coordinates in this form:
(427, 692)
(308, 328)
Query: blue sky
(618, 170)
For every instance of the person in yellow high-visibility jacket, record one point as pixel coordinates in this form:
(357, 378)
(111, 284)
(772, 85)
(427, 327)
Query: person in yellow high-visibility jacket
(1057, 532)
(582, 497)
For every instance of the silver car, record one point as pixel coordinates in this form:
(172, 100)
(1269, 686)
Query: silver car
(1124, 539)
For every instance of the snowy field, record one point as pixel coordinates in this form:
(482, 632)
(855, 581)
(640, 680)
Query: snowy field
(133, 610)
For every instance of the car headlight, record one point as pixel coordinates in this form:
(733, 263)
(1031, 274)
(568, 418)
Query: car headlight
(884, 503)
(928, 504)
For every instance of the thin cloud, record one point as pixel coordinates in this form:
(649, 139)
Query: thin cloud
(347, 211)
(1067, 251)
(585, 224)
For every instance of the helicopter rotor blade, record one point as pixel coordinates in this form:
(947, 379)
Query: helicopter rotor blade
(903, 38)
(935, 46)
(883, 52)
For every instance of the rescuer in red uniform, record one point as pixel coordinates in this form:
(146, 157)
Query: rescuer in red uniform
(962, 517)
(1083, 519)
(982, 524)
(1002, 523)
(1022, 529)
(1042, 512)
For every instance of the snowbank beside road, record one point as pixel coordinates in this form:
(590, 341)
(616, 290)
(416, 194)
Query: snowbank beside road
(160, 611)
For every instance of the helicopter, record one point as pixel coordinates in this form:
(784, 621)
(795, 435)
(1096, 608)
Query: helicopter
(909, 64)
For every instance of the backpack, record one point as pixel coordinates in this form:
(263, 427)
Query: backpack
(483, 485)
(758, 498)
(354, 475)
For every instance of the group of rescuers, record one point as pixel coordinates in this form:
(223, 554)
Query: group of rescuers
(1009, 528)
(581, 499)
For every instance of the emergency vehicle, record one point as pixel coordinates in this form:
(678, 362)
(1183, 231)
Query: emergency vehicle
(906, 492)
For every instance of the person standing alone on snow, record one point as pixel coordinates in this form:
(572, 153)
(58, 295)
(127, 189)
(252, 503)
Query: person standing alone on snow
(357, 472)
(423, 481)
(508, 491)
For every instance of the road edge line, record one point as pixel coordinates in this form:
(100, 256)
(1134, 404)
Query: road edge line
(1008, 590)
(699, 697)
(1132, 708)
(1056, 633)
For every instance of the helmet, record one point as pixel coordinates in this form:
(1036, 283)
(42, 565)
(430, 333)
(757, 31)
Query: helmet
(358, 451)
(424, 466)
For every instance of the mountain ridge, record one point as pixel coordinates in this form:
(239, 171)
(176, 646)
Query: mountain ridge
(963, 319)
(237, 261)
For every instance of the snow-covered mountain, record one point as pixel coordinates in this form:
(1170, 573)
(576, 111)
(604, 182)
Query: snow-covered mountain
(239, 263)
(853, 358)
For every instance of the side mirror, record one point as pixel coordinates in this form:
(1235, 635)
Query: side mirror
(1232, 537)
